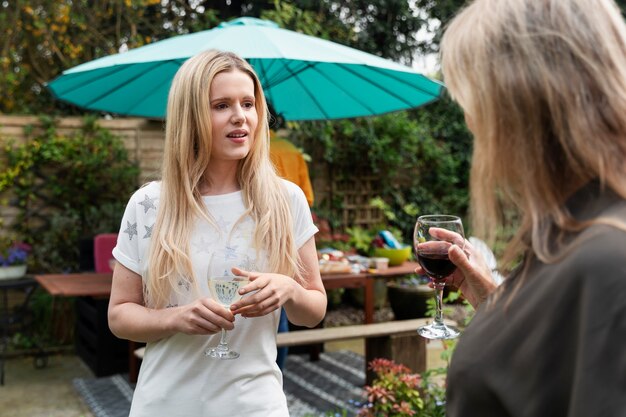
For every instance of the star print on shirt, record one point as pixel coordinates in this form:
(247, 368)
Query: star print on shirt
(148, 203)
(184, 283)
(131, 229)
(148, 231)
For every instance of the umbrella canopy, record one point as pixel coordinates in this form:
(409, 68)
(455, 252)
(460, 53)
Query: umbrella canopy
(303, 77)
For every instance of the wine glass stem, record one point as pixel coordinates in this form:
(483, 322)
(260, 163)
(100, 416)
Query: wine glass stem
(439, 300)
(223, 345)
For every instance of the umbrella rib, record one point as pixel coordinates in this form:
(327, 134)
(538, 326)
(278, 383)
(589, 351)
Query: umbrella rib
(280, 78)
(293, 74)
(89, 77)
(152, 68)
(313, 98)
(356, 74)
(268, 93)
(390, 92)
(345, 91)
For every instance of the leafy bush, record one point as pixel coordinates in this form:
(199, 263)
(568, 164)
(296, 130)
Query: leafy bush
(65, 187)
(420, 158)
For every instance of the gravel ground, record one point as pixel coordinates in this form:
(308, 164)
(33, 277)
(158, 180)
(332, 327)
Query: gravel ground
(345, 315)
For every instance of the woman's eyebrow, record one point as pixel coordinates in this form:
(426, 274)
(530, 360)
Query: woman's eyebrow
(221, 99)
(230, 98)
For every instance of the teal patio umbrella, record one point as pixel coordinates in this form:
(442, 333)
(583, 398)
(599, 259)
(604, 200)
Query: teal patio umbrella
(303, 77)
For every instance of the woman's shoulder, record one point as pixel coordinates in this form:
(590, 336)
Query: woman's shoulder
(605, 238)
(601, 251)
(151, 189)
(292, 189)
(289, 186)
(297, 200)
(145, 199)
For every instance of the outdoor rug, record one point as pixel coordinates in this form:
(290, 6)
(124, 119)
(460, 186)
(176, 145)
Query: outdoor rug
(313, 388)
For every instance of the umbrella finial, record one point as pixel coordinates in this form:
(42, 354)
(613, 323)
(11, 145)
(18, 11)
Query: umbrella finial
(248, 21)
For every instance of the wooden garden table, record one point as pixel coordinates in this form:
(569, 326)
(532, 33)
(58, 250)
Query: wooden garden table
(99, 285)
(366, 281)
(84, 284)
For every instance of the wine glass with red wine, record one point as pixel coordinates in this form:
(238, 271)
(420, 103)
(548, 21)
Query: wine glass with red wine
(433, 237)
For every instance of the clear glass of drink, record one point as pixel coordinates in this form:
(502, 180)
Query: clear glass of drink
(224, 287)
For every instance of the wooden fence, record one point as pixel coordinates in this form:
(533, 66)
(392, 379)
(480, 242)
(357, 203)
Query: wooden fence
(143, 138)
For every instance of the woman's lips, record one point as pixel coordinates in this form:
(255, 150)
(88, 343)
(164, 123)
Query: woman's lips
(238, 136)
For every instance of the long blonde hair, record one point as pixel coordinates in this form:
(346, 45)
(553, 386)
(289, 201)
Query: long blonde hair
(543, 86)
(187, 154)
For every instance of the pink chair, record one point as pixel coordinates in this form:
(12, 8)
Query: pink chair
(103, 245)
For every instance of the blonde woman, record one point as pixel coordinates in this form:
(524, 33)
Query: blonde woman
(543, 87)
(218, 193)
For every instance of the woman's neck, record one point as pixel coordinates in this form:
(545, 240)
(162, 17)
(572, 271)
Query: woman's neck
(220, 181)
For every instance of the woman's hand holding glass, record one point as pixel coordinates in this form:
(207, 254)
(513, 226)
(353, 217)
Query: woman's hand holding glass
(266, 292)
(472, 275)
(203, 316)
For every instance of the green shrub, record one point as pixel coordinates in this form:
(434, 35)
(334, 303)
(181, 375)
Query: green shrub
(65, 187)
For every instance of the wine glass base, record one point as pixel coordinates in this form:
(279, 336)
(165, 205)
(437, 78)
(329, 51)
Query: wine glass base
(438, 331)
(217, 353)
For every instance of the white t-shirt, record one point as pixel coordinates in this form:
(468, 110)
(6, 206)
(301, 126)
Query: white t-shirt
(176, 378)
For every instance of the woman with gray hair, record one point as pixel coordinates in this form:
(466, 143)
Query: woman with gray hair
(543, 87)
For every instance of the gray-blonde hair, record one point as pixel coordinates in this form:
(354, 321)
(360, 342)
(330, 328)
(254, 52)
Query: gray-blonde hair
(543, 87)
(187, 154)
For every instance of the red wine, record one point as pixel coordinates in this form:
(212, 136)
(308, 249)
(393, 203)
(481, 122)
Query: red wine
(436, 265)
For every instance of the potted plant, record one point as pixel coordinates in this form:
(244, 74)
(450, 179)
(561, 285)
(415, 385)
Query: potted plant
(13, 257)
(408, 297)
(398, 392)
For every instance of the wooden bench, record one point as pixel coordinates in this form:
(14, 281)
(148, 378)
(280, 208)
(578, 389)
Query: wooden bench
(395, 340)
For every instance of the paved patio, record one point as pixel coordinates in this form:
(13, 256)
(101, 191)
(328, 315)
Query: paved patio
(48, 392)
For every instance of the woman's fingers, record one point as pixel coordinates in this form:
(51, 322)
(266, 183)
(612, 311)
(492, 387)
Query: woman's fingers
(477, 283)
(253, 277)
(460, 258)
(240, 272)
(265, 294)
(472, 276)
(449, 236)
(262, 302)
(214, 314)
(434, 246)
(259, 310)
